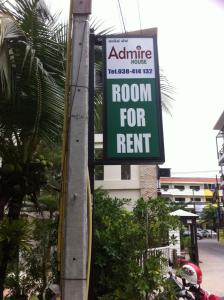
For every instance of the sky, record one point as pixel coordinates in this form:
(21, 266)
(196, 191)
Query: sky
(191, 54)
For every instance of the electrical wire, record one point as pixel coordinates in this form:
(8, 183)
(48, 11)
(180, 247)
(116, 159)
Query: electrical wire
(79, 67)
(90, 230)
(64, 146)
(122, 17)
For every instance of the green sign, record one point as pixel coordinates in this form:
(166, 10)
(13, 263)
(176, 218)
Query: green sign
(132, 107)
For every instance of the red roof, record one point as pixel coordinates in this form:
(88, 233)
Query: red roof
(187, 179)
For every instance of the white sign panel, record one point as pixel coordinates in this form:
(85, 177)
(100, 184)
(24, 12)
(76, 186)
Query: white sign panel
(130, 58)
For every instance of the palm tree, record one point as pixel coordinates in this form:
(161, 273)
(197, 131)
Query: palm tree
(32, 59)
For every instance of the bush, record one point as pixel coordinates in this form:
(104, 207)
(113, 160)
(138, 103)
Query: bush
(120, 239)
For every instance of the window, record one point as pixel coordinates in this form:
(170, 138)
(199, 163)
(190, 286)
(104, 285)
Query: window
(99, 172)
(125, 172)
(208, 199)
(196, 199)
(179, 187)
(209, 186)
(165, 187)
(195, 187)
(180, 199)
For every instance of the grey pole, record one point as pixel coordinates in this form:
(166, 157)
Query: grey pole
(74, 252)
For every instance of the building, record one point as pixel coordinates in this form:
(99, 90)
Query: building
(136, 181)
(220, 156)
(198, 191)
(220, 145)
(220, 139)
(125, 181)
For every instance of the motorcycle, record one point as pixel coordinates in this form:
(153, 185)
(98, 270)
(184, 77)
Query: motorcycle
(181, 291)
(187, 283)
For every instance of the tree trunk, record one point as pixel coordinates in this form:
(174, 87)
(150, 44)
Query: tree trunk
(3, 201)
(7, 248)
(15, 206)
(2, 276)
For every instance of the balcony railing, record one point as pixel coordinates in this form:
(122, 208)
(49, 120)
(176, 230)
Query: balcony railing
(220, 147)
(221, 154)
(165, 254)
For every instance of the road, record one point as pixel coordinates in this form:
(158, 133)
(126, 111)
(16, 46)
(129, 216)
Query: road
(211, 257)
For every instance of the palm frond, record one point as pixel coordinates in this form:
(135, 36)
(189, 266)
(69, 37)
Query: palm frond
(33, 46)
(167, 92)
(98, 112)
(98, 27)
(8, 30)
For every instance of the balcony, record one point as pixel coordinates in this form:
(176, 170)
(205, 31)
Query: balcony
(221, 156)
(220, 147)
(220, 139)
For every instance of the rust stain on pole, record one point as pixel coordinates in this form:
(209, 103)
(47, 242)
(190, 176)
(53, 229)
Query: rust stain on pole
(82, 7)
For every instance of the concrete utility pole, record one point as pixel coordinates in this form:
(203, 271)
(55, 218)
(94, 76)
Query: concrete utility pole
(74, 263)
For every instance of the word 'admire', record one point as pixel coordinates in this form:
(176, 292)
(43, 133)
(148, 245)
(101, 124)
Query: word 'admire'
(138, 53)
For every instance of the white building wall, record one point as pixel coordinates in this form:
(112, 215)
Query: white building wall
(187, 193)
(112, 173)
(143, 182)
(128, 189)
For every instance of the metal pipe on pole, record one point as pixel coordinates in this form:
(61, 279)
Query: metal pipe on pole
(75, 230)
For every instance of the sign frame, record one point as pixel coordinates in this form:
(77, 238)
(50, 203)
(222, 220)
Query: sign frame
(160, 158)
